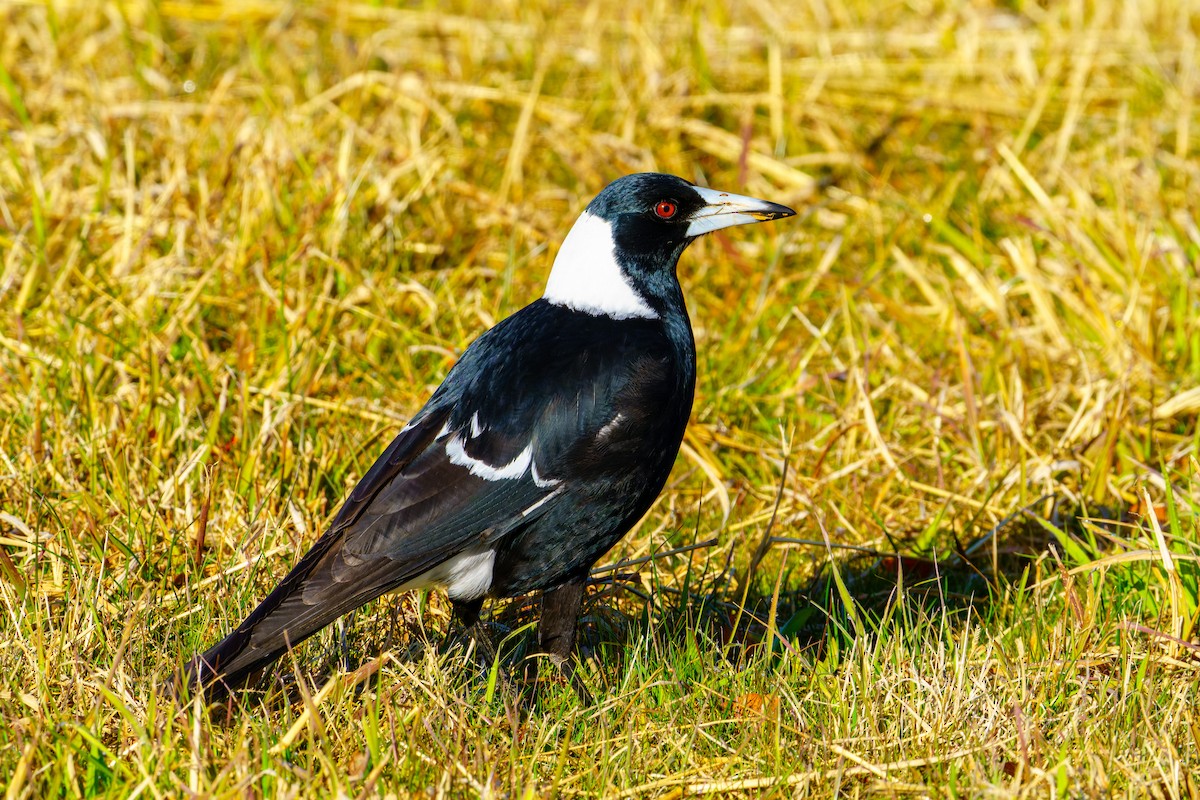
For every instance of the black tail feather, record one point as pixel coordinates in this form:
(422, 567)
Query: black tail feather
(205, 672)
(315, 593)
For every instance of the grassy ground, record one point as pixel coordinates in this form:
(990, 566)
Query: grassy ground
(240, 243)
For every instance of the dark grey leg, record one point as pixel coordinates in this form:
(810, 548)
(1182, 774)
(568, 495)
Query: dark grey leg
(556, 632)
(467, 612)
(487, 655)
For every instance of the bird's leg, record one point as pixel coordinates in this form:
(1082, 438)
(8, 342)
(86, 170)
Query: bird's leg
(467, 612)
(556, 632)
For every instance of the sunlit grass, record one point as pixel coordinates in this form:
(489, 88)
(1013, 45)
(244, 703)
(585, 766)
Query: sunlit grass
(240, 244)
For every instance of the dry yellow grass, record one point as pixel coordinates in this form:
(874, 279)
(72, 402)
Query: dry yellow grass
(241, 242)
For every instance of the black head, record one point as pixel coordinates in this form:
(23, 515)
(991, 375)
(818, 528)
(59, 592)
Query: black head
(620, 257)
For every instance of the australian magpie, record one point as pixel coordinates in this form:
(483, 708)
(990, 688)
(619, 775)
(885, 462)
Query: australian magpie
(547, 441)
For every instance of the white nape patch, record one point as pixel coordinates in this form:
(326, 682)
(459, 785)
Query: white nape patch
(724, 210)
(587, 277)
(513, 469)
(467, 576)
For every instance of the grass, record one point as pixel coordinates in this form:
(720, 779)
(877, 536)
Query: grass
(241, 242)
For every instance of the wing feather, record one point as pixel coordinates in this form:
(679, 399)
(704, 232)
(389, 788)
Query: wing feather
(509, 437)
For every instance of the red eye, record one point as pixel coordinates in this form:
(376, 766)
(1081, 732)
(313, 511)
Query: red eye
(665, 209)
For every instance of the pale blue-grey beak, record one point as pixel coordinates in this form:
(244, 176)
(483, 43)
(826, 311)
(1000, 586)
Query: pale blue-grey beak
(724, 210)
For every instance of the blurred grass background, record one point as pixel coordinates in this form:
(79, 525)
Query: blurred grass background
(242, 242)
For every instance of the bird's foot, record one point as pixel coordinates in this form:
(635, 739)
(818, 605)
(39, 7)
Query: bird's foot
(482, 651)
(556, 633)
(566, 670)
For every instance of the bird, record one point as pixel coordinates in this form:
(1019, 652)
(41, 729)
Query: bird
(547, 441)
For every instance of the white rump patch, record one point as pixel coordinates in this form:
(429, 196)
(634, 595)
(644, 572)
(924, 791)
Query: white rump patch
(510, 471)
(467, 576)
(587, 277)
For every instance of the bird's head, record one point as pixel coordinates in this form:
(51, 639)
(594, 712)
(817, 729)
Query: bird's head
(619, 259)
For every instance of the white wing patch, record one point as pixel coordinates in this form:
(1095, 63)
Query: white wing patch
(539, 481)
(510, 471)
(587, 277)
(610, 426)
(541, 502)
(514, 469)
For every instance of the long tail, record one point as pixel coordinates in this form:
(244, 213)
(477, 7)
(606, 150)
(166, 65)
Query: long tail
(325, 584)
(316, 592)
(285, 618)
(219, 671)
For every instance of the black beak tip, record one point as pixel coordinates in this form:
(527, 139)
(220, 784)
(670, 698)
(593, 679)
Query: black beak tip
(770, 211)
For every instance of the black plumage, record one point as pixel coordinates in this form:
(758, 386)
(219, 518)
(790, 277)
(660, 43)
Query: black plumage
(545, 444)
